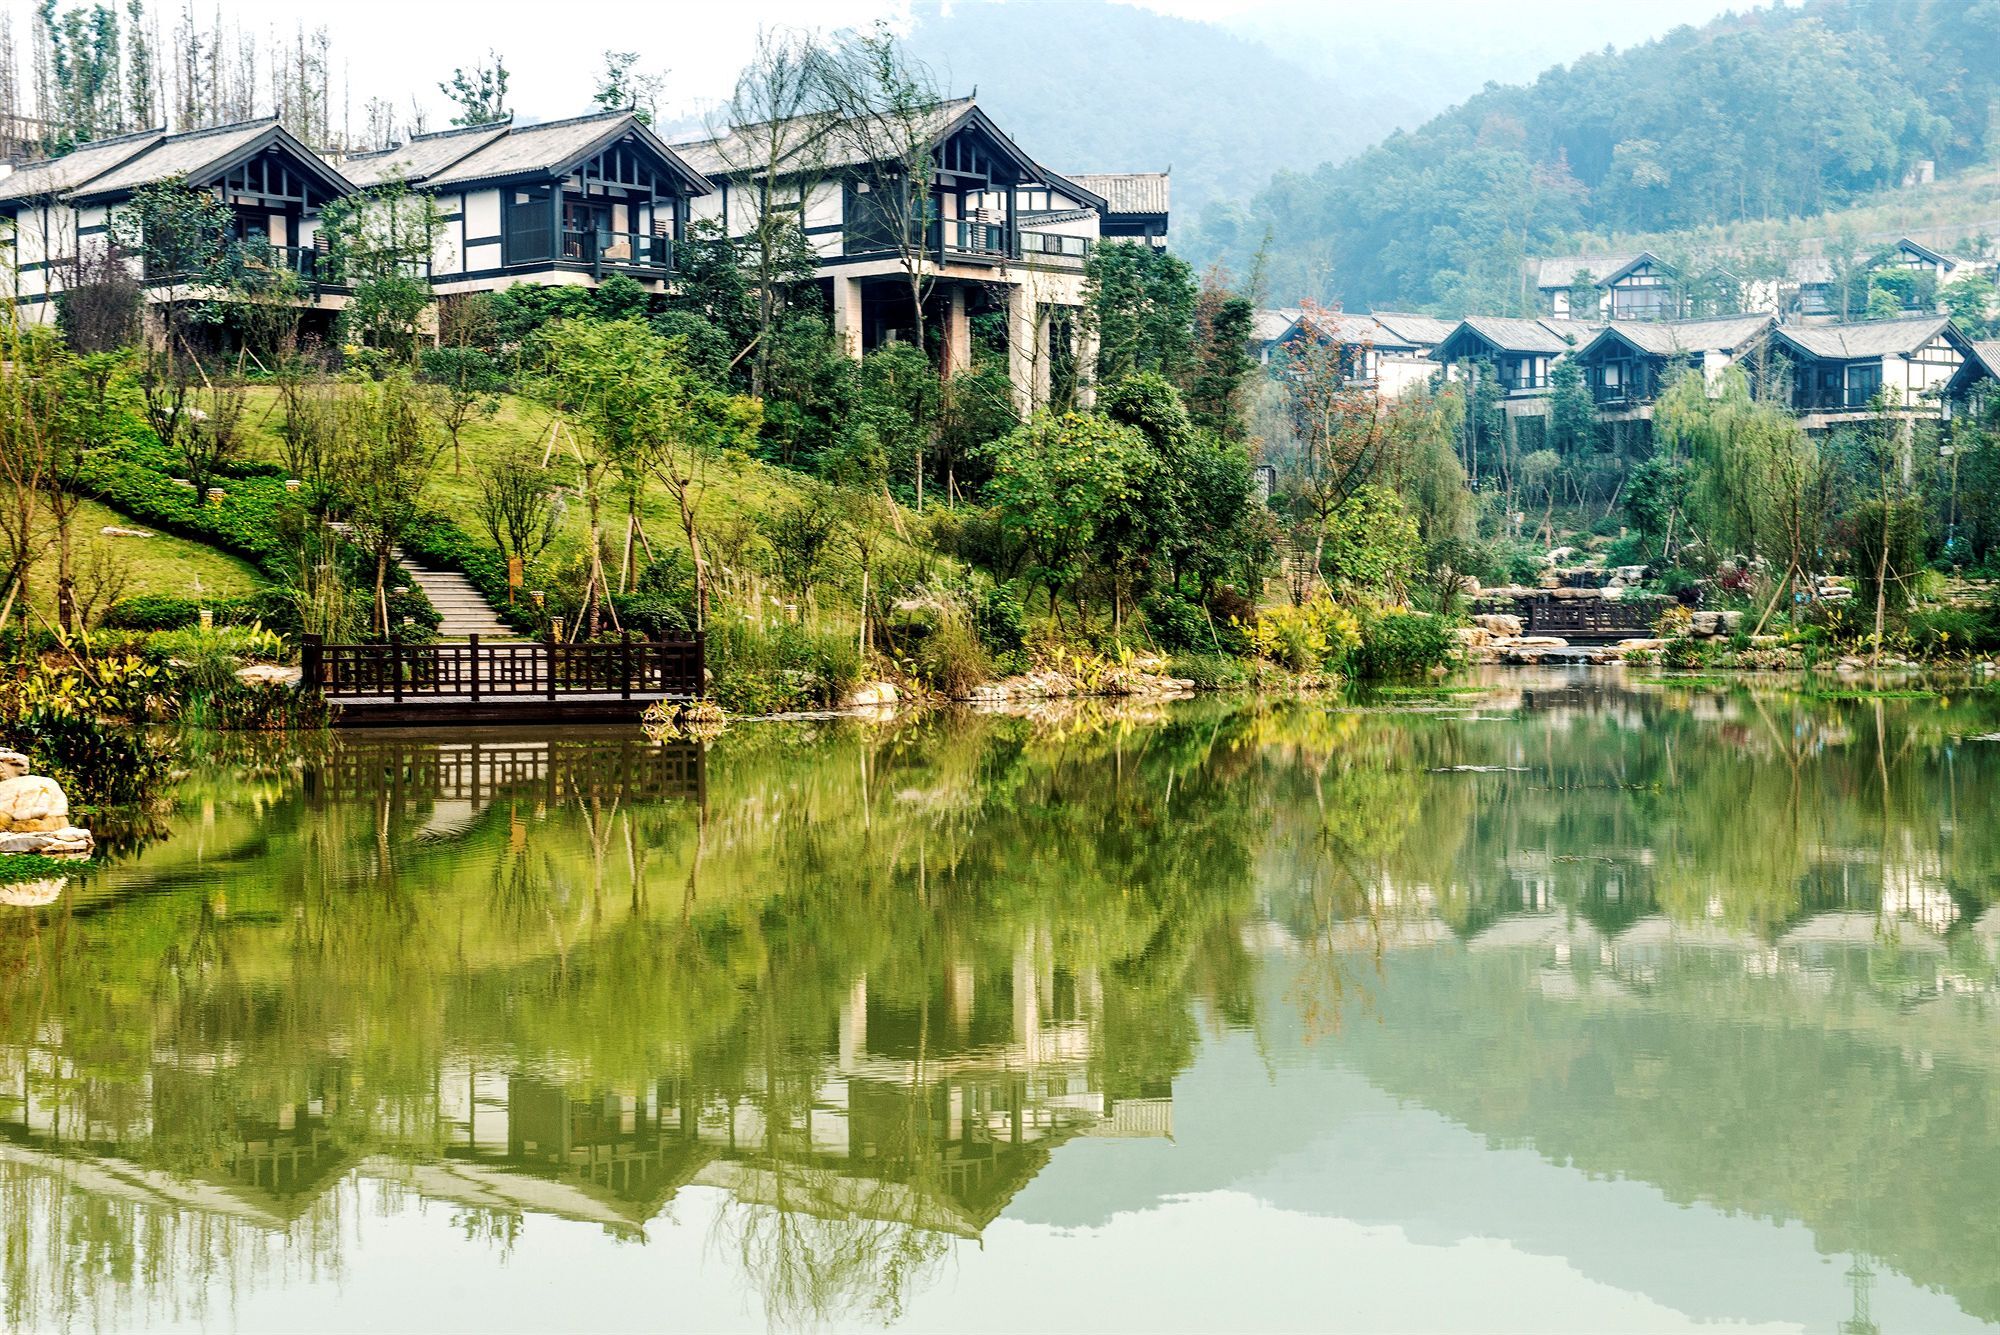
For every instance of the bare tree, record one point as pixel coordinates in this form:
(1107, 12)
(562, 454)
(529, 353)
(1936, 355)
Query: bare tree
(779, 135)
(888, 109)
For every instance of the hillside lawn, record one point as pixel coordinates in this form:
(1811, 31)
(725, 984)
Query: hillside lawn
(159, 565)
(742, 493)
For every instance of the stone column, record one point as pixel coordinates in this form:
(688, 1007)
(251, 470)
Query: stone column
(1086, 359)
(847, 316)
(853, 1024)
(1022, 353)
(957, 333)
(1044, 341)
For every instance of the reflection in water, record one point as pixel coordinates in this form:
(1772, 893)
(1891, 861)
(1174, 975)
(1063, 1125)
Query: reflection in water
(866, 985)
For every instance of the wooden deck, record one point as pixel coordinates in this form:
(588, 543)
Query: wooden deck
(398, 684)
(385, 711)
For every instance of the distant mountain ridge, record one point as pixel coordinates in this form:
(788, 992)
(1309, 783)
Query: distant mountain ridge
(1775, 113)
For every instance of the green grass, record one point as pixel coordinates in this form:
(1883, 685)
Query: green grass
(740, 493)
(161, 564)
(18, 867)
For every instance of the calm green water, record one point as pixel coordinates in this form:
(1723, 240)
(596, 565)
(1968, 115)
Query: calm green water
(1581, 1003)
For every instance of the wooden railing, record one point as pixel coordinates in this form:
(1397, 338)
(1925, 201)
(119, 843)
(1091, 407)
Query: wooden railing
(483, 770)
(1586, 619)
(670, 668)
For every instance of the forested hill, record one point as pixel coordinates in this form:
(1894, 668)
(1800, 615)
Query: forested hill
(1774, 113)
(1111, 87)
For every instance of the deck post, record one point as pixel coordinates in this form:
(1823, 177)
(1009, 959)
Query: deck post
(310, 662)
(473, 656)
(624, 665)
(701, 655)
(552, 668)
(395, 668)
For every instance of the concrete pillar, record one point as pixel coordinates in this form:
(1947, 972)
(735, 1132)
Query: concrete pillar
(847, 316)
(957, 333)
(854, 1024)
(1021, 348)
(1027, 1003)
(1086, 360)
(1044, 341)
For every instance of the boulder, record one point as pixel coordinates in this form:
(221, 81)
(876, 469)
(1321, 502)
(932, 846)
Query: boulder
(32, 894)
(1538, 642)
(70, 841)
(870, 694)
(1498, 623)
(31, 804)
(268, 674)
(1639, 645)
(13, 765)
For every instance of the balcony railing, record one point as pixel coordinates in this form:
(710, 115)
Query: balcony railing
(1853, 398)
(619, 250)
(1527, 384)
(1055, 245)
(241, 261)
(966, 237)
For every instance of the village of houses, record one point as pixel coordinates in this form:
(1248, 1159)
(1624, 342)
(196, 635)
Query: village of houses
(576, 201)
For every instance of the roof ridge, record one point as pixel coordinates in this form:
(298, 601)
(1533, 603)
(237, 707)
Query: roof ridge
(182, 136)
(564, 123)
(505, 124)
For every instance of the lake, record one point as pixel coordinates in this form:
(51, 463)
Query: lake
(1554, 1000)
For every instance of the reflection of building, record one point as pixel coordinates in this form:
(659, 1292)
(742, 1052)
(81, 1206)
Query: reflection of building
(930, 1112)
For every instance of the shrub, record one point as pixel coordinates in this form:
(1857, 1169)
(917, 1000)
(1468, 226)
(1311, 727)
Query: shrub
(952, 660)
(1176, 624)
(760, 670)
(1211, 672)
(152, 612)
(1945, 632)
(651, 615)
(98, 762)
(1304, 638)
(999, 619)
(1687, 652)
(1400, 644)
(206, 661)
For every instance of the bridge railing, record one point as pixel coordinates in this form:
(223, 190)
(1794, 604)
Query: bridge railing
(1583, 618)
(625, 667)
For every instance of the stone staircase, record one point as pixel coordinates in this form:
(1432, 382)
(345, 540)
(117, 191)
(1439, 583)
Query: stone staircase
(462, 610)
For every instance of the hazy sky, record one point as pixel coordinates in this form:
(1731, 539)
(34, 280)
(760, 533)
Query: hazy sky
(400, 48)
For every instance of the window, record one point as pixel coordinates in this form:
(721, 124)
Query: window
(1864, 381)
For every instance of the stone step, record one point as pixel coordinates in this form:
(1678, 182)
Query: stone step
(462, 609)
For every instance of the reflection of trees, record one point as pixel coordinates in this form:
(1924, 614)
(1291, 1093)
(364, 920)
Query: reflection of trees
(305, 981)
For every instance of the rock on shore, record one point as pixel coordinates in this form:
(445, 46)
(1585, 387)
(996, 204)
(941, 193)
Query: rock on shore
(34, 814)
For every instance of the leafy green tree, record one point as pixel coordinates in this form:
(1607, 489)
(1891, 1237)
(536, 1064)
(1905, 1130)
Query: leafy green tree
(388, 447)
(622, 86)
(469, 381)
(480, 93)
(1972, 302)
(1223, 364)
(1141, 302)
(640, 412)
(1061, 486)
(380, 243)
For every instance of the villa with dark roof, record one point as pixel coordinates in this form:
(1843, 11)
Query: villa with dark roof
(1838, 371)
(1626, 364)
(1135, 204)
(1003, 233)
(1521, 354)
(274, 186)
(562, 203)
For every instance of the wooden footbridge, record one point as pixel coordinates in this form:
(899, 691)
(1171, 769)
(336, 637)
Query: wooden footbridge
(513, 681)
